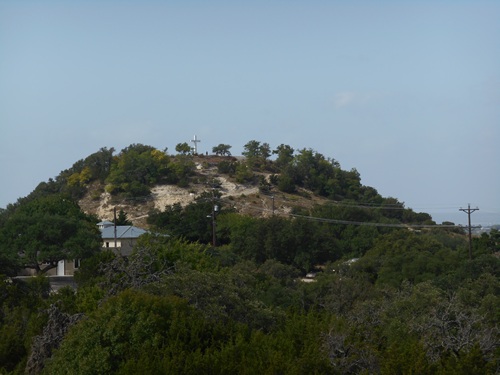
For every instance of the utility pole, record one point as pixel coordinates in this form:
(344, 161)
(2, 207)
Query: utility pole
(469, 211)
(215, 209)
(114, 223)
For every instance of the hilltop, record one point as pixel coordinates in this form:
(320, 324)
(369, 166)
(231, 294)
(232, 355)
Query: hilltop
(244, 197)
(141, 179)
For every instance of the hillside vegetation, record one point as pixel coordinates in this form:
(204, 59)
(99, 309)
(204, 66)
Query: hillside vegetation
(141, 177)
(219, 284)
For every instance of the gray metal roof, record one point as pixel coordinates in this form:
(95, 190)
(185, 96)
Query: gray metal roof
(105, 223)
(122, 231)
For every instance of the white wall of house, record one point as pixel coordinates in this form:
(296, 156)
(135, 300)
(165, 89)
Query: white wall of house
(60, 268)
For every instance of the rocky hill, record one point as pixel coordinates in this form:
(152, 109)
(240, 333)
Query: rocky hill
(244, 198)
(141, 178)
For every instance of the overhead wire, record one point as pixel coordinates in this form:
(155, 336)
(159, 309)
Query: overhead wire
(259, 208)
(374, 224)
(348, 222)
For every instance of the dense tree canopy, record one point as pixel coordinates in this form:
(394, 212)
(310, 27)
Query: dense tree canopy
(256, 153)
(47, 230)
(122, 218)
(183, 148)
(136, 168)
(411, 304)
(139, 167)
(344, 287)
(284, 155)
(194, 222)
(222, 150)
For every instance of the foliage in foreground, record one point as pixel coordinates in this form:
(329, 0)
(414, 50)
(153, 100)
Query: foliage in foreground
(179, 307)
(384, 301)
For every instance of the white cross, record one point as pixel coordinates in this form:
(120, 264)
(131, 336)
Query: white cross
(195, 141)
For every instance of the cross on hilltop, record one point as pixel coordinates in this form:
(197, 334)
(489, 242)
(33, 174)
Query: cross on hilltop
(195, 141)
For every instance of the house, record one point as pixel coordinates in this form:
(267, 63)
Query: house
(121, 241)
(121, 238)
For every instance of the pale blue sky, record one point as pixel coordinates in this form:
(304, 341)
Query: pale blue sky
(406, 92)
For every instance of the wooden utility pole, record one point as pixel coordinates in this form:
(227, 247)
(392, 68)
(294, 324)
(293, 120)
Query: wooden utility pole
(215, 210)
(114, 223)
(469, 211)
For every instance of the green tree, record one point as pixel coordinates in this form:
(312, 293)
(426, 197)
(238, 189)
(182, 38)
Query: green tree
(284, 155)
(300, 243)
(227, 167)
(122, 218)
(47, 230)
(80, 179)
(286, 182)
(91, 270)
(256, 153)
(136, 168)
(183, 148)
(21, 318)
(251, 149)
(99, 163)
(127, 327)
(193, 222)
(403, 255)
(182, 168)
(9, 264)
(222, 150)
(265, 151)
(315, 172)
(244, 173)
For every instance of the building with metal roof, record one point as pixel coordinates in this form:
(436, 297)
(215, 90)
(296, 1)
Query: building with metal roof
(119, 238)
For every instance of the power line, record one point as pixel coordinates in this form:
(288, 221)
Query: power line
(259, 208)
(348, 222)
(374, 224)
